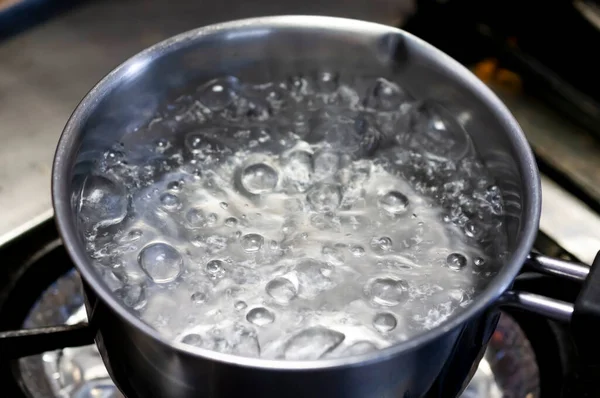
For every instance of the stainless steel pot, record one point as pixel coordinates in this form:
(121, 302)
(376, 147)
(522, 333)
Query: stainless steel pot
(436, 363)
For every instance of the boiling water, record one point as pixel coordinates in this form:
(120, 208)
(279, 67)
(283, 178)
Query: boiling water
(299, 219)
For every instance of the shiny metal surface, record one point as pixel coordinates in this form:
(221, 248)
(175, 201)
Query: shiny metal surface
(541, 305)
(554, 266)
(45, 71)
(271, 48)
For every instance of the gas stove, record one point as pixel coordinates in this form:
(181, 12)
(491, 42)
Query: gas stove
(527, 357)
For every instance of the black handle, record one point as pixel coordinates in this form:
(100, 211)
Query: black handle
(585, 323)
(585, 328)
(25, 342)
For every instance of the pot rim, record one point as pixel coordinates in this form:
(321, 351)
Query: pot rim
(501, 282)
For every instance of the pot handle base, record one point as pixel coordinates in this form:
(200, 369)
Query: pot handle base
(585, 310)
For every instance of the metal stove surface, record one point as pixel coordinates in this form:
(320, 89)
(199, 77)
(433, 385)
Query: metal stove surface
(508, 368)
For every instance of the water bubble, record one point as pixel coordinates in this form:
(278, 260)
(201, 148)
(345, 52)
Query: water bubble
(231, 222)
(357, 251)
(244, 342)
(325, 221)
(478, 261)
(259, 178)
(197, 173)
(211, 219)
(312, 343)
(386, 95)
(368, 136)
(224, 205)
(327, 82)
(381, 244)
(198, 297)
(394, 202)
(293, 204)
(133, 296)
(324, 197)
(233, 291)
(281, 290)
(192, 339)
(473, 230)
(133, 235)
(333, 255)
(456, 261)
(113, 157)
(175, 186)
(240, 305)
(298, 87)
(206, 142)
(326, 164)
(326, 270)
(161, 262)
(215, 342)
(260, 316)
(249, 108)
(252, 243)
(161, 145)
(437, 133)
(215, 268)
(458, 295)
(384, 322)
(103, 202)
(314, 277)
(298, 169)
(170, 202)
(387, 292)
(217, 94)
(493, 189)
(216, 243)
(360, 347)
(197, 218)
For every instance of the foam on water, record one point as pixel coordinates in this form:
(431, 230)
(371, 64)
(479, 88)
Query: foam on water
(301, 219)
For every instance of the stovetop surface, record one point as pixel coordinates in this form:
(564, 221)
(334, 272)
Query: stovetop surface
(46, 70)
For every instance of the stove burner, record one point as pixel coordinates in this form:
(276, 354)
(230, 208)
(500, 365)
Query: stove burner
(70, 372)
(507, 370)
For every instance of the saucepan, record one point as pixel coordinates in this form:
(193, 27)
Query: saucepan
(438, 362)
